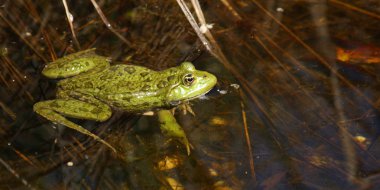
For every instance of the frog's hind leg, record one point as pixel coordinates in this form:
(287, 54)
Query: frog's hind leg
(55, 110)
(86, 61)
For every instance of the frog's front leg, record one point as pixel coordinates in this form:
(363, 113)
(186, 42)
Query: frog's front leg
(184, 107)
(170, 127)
(55, 110)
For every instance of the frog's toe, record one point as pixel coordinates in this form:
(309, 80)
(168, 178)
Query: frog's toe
(104, 116)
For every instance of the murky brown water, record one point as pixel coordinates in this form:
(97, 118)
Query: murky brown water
(306, 115)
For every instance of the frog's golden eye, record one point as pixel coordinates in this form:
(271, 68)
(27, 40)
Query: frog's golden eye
(188, 79)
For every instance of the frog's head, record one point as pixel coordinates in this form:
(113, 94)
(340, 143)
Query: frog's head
(192, 84)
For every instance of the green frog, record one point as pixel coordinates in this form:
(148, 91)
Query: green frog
(92, 88)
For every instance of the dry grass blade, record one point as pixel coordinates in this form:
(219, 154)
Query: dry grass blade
(70, 19)
(108, 24)
(347, 143)
(195, 26)
(7, 110)
(357, 9)
(24, 157)
(8, 65)
(14, 173)
(231, 9)
(293, 60)
(248, 141)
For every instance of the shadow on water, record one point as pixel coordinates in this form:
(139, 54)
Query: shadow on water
(305, 115)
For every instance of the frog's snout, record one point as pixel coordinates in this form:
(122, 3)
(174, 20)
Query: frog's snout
(209, 79)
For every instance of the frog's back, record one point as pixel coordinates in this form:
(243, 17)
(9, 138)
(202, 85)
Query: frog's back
(111, 77)
(134, 79)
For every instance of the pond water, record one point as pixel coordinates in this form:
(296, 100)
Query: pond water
(296, 105)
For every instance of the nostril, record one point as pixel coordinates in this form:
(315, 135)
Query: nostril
(204, 76)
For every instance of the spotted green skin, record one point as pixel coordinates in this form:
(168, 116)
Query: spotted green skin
(92, 88)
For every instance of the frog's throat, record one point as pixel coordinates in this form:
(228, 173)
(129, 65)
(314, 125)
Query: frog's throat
(179, 101)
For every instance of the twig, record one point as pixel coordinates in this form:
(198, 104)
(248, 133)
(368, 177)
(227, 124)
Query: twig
(70, 19)
(194, 24)
(108, 24)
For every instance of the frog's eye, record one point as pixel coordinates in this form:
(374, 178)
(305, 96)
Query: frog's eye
(188, 79)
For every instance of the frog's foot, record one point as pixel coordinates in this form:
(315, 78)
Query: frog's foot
(170, 127)
(55, 110)
(184, 141)
(184, 107)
